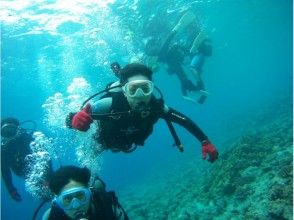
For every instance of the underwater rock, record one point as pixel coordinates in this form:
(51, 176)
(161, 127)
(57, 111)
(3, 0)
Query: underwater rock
(245, 180)
(251, 180)
(229, 189)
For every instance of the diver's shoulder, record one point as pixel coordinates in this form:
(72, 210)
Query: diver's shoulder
(46, 214)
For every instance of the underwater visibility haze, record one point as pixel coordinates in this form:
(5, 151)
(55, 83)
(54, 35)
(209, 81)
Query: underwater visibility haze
(57, 53)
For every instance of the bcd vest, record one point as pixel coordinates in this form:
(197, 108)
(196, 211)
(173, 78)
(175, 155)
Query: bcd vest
(121, 132)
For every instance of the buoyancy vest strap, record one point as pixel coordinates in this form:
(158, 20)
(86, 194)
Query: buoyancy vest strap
(111, 114)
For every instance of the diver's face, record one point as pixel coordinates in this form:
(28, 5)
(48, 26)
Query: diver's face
(9, 130)
(138, 91)
(75, 199)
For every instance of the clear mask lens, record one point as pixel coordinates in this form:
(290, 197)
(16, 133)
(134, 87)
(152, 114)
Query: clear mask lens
(138, 88)
(73, 198)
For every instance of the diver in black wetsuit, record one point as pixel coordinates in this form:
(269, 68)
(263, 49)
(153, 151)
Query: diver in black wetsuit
(15, 146)
(75, 199)
(126, 117)
(171, 53)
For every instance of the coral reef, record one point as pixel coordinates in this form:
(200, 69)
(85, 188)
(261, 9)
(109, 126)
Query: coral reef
(251, 180)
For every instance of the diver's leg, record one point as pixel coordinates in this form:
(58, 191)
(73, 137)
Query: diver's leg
(201, 89)
(186, 84)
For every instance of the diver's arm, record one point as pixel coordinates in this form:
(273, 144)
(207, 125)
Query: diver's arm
(46, 215)
(6, 174)
(102, 106)
(83, 119)
(179, 118)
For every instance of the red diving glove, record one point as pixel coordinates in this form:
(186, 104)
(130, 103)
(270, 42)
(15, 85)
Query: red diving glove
(208, 148)
(14, 195)
(82, 120)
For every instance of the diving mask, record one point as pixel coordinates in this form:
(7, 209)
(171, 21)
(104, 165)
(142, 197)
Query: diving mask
(9, 130)
(138, 88)
(73, 198)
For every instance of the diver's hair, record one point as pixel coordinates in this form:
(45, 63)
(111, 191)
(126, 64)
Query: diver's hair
(115, 64)
(9, 120)
(64, 174)
(134, 69)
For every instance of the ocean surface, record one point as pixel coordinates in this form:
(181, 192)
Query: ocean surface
(57, 53)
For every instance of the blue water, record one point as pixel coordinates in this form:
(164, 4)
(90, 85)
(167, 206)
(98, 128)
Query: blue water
(45, 44)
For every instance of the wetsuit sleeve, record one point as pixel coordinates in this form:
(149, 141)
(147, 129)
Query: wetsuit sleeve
(102, 106)
(179, 118)
(46, 214)
(6, 173)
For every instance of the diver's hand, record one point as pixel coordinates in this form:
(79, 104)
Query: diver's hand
(208, 148)
(15, 196)
(82, 120)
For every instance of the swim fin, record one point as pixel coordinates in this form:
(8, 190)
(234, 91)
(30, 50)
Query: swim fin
(190, 99)
(201, 100)
(184, 21)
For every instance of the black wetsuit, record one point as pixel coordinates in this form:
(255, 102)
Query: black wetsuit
(13, 153)
(123, 132)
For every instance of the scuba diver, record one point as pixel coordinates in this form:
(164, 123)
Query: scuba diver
(15, 146)
(126, 118)
(74, 199)
(174, 53)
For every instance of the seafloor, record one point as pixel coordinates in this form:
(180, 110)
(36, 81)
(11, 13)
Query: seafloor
(251, 180)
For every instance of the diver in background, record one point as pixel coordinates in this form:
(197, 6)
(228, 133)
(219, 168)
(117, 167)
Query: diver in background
(172, 54)
(74, 199)
(15, 146)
